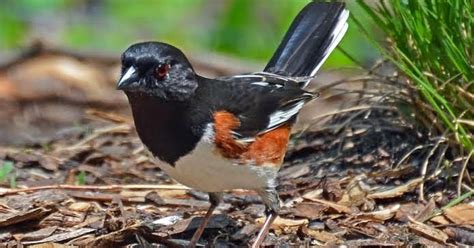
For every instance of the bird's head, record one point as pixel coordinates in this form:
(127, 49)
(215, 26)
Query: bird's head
(159, 70)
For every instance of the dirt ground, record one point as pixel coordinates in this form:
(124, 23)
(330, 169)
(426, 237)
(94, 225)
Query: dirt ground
(74, 172)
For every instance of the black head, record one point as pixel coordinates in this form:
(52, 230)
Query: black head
(157, 69)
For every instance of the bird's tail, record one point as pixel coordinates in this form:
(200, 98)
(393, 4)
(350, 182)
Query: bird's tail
(312, 36)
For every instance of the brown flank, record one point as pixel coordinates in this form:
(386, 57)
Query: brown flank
(268, 148)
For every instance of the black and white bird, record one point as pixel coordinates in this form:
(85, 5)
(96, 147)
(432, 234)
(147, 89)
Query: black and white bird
(231, 132)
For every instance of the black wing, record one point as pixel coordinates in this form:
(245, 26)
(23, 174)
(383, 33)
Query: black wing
(261, 101)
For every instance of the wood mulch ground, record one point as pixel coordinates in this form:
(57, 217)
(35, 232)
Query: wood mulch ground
(71, 177)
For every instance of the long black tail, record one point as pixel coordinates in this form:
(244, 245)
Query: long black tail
(312, 36)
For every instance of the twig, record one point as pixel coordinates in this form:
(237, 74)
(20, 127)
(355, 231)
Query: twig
(424, 168)
(407, 155)
(121, 128)
(107, 116)
(463, 170)
(363, 79)
(315, 119)
(112, 187)
(363, 107)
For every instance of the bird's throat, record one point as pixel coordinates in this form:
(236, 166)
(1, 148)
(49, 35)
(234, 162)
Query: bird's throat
(162, 126)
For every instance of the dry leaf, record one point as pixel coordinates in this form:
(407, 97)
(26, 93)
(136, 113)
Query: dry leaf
(461, 214)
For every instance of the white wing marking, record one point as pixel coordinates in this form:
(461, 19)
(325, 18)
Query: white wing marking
(280, 116)
(261, 84)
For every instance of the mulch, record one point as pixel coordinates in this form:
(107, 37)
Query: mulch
(356, 181)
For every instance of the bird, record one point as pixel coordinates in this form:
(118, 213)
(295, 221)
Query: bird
(231, 132)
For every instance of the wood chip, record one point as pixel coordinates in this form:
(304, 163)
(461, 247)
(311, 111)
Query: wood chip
(461, 235)
(49, 163)
(283, 222)
(63, 236)
(369, 243)
(337, 207)
(313, 194)
(80, 206)
(104, 197)
(36, 235)
(426, 212)
(322, 236)
(218, 221)
(427, 231)
(168, 220)
(396, 191)
(380, 215)
(310, 210)
(49, 245)
(441, 220)
(15, 218)
(354, 195)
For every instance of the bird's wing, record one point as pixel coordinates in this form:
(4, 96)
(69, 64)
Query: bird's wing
(261, 102)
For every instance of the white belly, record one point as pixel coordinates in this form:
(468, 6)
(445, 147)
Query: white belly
(209, 172)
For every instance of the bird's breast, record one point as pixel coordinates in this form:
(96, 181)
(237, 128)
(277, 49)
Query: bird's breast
(206, 170)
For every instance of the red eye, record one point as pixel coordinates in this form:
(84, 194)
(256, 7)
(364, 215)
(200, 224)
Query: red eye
(161, 71)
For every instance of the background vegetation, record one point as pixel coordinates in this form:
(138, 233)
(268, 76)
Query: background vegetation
(431, 42)
(386, 154)
(247, 29)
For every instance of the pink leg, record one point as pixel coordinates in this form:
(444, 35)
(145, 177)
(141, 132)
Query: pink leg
(272, 203)
(214, 198)
(264, 231)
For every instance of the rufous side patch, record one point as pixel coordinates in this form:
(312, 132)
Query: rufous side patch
(268, 149)
(224, 123)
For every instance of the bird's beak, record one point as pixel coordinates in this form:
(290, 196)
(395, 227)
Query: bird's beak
(128, 79)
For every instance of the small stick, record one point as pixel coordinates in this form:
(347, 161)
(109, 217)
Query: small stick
(461, 174)
(112, 187)
(120, 128)
(424, 168)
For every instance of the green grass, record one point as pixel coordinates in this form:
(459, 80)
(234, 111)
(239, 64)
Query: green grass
(5, 170)
(7, 173)
(431, 42)
(81, 178)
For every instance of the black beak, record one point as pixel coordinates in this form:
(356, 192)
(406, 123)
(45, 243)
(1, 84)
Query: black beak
(128, 80)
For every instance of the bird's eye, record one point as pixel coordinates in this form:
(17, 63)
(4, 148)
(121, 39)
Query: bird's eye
(161, 71)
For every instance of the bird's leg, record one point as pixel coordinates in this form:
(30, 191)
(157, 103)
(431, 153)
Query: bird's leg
(272, 206)
(214, 199)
